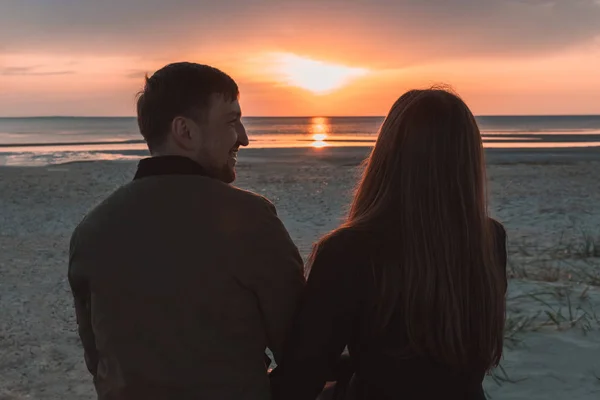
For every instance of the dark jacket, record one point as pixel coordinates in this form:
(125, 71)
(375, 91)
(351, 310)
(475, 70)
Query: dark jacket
(336, 311)
(180, 283)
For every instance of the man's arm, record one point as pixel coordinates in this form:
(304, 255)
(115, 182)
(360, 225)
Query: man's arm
(323, 325)
(275, 273)
(82, 296)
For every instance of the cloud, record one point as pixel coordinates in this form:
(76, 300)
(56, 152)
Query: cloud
(115, 26)
(137, 73)
(387, 33)
(406, 32)
(31, 71)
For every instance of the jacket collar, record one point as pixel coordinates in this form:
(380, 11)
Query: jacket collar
(167, 165)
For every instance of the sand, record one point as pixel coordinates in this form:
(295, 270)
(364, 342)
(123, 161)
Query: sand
(549, 202)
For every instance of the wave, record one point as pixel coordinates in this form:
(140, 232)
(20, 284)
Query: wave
(84, 143)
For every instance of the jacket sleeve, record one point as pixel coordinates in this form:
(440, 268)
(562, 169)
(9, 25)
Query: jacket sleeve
(322, 326)
(275, 272)
(81, 293)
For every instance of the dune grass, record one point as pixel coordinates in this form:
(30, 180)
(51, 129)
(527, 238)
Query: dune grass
(562, 307)
(577, 260)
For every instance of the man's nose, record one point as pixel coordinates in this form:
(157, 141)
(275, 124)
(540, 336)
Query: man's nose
(243, 135)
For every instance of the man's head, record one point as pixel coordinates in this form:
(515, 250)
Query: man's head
(192, 110)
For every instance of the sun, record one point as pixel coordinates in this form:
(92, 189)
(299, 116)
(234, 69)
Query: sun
(315, 76)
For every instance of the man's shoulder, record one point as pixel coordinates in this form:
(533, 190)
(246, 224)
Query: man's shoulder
(97, 213)
(252, 200)
(239, 202)
(221, 191)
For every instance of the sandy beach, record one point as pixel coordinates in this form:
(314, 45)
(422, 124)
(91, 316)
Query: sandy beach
(548, 200)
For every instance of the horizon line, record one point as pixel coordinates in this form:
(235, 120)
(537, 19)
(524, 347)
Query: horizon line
(292, 116)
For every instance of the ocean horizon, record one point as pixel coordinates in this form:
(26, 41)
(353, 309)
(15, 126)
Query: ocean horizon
(43, 140)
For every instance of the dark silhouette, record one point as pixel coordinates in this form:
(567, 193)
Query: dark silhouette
(414, 282)
(180, 280)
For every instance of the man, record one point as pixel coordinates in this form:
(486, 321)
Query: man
(180, 280)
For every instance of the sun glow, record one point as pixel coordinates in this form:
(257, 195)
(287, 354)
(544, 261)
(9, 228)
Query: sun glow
(315, 76)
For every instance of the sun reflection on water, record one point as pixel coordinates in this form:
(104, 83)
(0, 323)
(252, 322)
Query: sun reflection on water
(319, 144)
(320, 128)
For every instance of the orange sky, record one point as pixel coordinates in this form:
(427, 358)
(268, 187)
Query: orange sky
(503, 57)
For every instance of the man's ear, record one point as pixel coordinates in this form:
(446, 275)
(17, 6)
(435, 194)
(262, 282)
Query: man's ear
(181, 130)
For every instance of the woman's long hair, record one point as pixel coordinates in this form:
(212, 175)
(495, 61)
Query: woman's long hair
(423, 193)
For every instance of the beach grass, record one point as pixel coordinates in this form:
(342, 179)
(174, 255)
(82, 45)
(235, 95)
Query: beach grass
(576, 260)
(559, 307)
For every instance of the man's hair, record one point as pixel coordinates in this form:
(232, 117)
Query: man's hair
(179, 89)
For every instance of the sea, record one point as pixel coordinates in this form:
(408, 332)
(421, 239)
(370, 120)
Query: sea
(37, 141)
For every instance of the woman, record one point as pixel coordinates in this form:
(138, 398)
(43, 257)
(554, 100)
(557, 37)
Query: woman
(414, 282)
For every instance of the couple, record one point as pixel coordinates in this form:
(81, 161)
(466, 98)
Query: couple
(181, 281)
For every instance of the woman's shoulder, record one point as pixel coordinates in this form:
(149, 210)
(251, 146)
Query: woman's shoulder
(342, 258)
(500, 243)
(346, 238)
(344, 246)
(499, 229)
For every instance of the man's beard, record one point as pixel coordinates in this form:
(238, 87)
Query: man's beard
(225, 174)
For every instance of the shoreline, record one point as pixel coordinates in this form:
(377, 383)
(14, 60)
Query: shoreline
(354, 155)
(515, 137)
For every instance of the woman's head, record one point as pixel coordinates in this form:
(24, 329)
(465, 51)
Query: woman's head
(423, 194)
(429, 151)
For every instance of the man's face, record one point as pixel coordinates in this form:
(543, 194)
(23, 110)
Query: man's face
(222, 133)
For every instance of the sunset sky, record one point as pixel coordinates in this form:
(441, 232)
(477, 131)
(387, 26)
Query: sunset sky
(328, 57)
